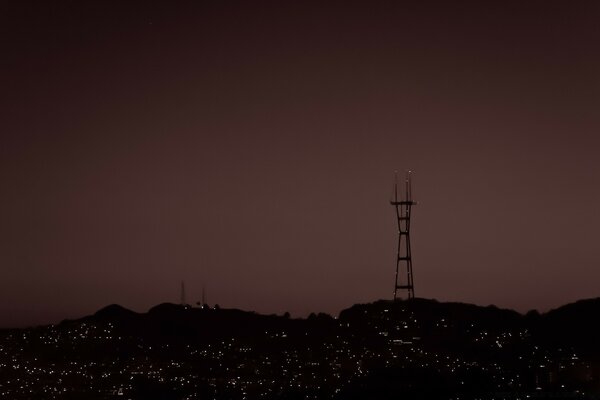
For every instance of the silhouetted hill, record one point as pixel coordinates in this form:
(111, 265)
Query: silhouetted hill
(114, 312)
(423, 317)
(576, 324)
(369, 351)
(431, 311)
(454, 327)
(168, 322)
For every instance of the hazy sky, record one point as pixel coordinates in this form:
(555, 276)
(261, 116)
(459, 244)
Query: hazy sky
(250, 147)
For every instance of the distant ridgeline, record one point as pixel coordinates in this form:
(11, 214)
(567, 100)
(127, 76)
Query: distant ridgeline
(404, 349)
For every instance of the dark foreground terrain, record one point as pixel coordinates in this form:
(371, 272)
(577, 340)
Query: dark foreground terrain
(407, 350)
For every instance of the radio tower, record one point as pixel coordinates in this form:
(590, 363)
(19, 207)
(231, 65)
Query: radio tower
(403, 208)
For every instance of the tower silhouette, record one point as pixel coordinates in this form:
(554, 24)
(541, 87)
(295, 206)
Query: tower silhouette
(403, 209)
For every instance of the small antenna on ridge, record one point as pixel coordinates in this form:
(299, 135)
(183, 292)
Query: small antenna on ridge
(183, 293)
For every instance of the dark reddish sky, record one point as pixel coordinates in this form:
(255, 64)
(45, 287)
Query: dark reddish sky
(250, 147)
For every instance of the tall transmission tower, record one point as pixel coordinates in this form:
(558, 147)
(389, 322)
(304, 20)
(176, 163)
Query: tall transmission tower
(403, 209)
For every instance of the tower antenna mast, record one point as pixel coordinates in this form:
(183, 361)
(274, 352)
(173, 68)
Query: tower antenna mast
(403, 259)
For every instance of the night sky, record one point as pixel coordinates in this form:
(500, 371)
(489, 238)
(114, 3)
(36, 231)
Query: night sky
(251, 146)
